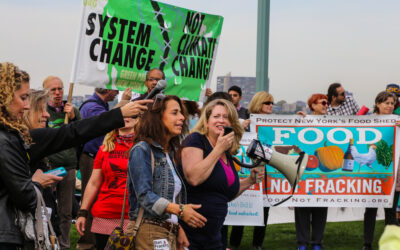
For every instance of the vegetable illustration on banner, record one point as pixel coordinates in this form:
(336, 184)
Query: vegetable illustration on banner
(119, 41)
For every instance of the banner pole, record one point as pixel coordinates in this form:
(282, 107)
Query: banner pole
(71, 89)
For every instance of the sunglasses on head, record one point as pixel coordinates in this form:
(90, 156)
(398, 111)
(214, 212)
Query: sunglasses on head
(393, 89)
(268, 103)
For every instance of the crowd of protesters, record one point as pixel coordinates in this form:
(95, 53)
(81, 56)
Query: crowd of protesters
(181, 181)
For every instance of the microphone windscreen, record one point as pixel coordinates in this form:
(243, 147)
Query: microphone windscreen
(161, 84)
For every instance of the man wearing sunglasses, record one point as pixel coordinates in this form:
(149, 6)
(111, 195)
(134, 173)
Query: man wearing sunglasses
(339, 102)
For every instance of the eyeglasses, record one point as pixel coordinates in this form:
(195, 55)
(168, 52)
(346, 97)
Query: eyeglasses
(151, 79)
(342, 94)
(268, 103)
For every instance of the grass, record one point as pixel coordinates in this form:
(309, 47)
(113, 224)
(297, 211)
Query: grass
(338, 236)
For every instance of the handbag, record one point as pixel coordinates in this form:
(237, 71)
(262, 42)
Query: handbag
(37, 230)
(118, 239)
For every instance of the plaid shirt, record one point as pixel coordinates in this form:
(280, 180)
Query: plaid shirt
(349, 107)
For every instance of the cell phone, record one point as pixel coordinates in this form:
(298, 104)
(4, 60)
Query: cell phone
(227, 130)
(61, 172)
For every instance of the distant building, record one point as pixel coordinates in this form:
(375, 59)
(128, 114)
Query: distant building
(248, 85)
(282, 107)
(78, 100)
(288, 108)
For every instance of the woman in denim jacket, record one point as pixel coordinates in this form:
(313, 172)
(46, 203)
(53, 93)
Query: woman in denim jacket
(162, 192)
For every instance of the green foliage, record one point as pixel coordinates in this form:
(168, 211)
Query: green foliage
(384, 153)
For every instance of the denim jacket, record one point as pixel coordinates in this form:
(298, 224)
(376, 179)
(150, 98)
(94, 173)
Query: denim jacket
(153, 192)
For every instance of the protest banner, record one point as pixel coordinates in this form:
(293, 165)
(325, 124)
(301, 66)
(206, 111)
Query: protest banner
(357, 159)
(119, 41)
(247, 209)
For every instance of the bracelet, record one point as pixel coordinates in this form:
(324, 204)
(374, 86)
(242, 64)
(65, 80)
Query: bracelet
(181, 209)
(83, 213)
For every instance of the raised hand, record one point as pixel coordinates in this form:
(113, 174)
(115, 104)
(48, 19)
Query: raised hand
(135, 108)
(224, 142)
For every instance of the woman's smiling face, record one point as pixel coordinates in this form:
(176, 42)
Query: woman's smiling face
(386, 107)
(217, 120)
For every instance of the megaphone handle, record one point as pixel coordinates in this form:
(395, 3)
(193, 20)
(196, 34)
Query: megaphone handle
(260, 167)
(244, 165)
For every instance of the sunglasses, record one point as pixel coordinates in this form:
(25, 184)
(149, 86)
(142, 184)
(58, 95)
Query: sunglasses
(342, 94)
(393, 89)
(323, 103)
(268, 103)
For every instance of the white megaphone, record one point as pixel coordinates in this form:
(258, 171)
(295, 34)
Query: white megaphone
(291, 166)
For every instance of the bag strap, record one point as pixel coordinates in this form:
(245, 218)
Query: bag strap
(121, 224)
(52, 234)
(141, 210)
(89, 100)
(39, 219)
(39, 229)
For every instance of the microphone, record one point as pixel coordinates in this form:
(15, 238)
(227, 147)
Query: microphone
(160, 86)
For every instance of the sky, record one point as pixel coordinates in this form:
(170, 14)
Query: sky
(312, 43)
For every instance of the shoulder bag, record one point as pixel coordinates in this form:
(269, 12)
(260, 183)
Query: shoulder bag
(118, 239)
(37, 230)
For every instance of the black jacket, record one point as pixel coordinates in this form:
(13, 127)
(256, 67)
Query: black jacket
(48, 194)
(16, 186)
(243, 113)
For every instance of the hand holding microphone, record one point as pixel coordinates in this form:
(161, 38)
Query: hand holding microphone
(135, 108)
(160, 86)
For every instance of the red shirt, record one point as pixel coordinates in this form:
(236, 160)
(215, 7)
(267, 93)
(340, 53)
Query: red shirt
(114, 167)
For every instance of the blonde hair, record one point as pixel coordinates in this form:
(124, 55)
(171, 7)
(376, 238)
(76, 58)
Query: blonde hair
(11, 80)
(109, 141)
(48, 79)
(36, 100)
(256, 102)
(201, 125)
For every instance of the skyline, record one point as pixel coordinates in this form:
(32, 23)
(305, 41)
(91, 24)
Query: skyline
(312, 44)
